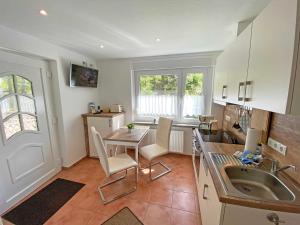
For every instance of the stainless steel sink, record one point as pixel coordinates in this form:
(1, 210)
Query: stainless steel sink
(250, 182)
(258, 183)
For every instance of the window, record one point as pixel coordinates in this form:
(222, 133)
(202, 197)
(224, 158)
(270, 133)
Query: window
(179, 94)
(17, 105)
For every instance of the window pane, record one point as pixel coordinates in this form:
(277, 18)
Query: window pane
(23, 86)
(6, 85)
(193, 98)
(27, 104)
(8, 106)
(12, 126)
(158, 85)
(29, 122)
(158, 95)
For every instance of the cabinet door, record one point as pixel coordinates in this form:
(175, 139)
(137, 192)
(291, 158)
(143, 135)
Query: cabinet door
(202, 189)
(103, 126)
(235, 214)
(220, 80)
(238, 59)
(214, 207)
(271, 56)
(117, 122)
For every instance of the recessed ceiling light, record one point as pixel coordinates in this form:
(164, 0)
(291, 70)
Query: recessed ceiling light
(157, 39)
(101, 46)
(43, 12)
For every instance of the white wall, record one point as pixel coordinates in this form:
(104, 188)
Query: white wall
(70, 103)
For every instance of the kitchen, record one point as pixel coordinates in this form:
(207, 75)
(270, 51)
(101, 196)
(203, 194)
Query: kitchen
(228, 104)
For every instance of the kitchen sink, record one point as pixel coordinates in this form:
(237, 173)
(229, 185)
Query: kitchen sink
(252, 182)
(258, 183)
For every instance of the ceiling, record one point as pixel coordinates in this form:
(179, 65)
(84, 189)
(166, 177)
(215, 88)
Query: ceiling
(129, 28)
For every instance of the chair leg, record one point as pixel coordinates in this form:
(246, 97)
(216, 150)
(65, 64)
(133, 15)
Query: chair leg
(168, 170)
(100, 188)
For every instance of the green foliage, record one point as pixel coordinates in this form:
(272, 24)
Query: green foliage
(167, 84)
(158, 84)
(130, 126)
(7, 85)
(194, 84)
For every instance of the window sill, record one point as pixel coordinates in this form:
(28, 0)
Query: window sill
(183, 125)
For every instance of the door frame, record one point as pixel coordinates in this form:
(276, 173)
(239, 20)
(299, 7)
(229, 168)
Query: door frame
(51, 117)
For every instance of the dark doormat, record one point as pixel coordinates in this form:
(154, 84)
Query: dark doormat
(41, 206)
(124, 217)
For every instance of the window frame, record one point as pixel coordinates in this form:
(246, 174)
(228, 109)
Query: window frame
(19, 113)
(182, 74)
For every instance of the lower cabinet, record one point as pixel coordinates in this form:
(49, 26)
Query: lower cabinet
(210, 207)
(214, 212)
(240, 215)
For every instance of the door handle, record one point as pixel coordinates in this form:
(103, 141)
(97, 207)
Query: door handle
(204, 191)
(248, 83)
(109, 123)
(223, 88)
(241, 84)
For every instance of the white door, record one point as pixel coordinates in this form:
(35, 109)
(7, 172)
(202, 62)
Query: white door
(26, 157)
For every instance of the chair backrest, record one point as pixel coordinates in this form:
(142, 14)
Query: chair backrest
(101, 151)
(163, 132)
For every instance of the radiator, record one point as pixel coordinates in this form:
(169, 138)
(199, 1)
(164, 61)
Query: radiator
(176, 140)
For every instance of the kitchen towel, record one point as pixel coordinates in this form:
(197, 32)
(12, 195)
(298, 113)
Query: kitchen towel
(252, 139)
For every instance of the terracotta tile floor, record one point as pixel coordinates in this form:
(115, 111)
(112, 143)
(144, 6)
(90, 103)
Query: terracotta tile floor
(170, 200)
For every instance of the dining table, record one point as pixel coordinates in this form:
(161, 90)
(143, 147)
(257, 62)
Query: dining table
(128, 138)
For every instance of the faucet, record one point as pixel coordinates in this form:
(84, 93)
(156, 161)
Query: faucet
(275, 168)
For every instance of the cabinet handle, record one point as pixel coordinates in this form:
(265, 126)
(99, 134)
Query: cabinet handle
(248, 83)
(241, 84)
(109, 123)
(204, 190)
(274, 218)
(223, 95)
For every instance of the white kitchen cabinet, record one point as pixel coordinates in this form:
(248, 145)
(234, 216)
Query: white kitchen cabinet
(236, 215)
(214, 212)
(273, 54)
(220, 79)
(210, 207)
(271, 62)
(104, 125)
(238, 60)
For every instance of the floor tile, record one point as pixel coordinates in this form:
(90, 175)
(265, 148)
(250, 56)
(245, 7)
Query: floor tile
(179, 217)
(161, 196)
(184, 201)
(157, 214)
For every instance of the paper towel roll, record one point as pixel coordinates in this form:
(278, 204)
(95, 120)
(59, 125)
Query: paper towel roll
(253, 136)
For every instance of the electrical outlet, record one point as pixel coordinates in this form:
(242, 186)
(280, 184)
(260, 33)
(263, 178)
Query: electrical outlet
(277, 146)
(227, 118)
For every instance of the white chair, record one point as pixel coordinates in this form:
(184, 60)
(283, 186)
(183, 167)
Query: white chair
(112, 165)
(160, 148)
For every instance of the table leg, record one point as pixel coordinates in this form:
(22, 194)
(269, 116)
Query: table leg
(137, 154)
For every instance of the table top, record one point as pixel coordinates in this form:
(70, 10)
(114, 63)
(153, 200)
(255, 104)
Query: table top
(122, 134)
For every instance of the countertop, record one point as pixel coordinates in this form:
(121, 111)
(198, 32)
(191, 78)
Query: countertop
(223, 197)
(109, 115)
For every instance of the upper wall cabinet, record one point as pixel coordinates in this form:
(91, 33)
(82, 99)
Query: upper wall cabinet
(220, 81)
(238, 59)
(273, 54)
(270, 64)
